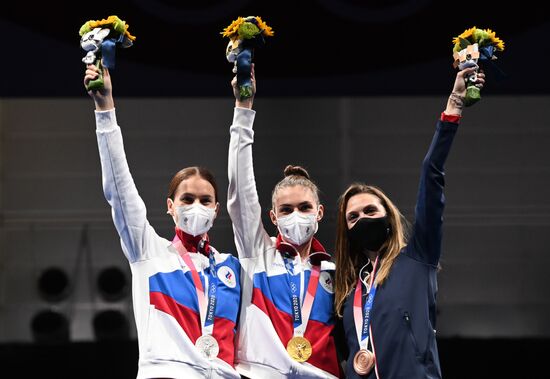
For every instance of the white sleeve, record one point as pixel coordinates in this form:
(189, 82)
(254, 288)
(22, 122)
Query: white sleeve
(127, 207)
(243, 204)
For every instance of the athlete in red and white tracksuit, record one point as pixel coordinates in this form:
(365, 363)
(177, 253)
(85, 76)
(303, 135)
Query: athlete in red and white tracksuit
(266, 322)
(164, 299)
(165, 302)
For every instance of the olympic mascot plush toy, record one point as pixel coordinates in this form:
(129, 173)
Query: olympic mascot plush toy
(100, 38)
(245, 34)
(473, 46)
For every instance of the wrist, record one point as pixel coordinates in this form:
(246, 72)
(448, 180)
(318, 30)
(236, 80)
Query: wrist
(455, 104)
(104, 105)
(244, 103)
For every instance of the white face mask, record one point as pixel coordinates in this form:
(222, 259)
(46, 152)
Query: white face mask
(195, 219)
(297, 228)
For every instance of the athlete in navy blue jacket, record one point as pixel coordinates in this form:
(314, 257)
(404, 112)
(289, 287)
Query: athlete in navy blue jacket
(386, 286)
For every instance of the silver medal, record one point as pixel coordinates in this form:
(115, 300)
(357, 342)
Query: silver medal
(208, 346)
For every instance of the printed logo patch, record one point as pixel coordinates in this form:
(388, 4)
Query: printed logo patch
(227, 276)
(326, 281)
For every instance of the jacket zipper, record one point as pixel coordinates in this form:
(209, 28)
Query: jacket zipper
(407, 319)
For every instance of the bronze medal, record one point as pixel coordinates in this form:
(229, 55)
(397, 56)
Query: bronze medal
(299, 349)
(363, 362)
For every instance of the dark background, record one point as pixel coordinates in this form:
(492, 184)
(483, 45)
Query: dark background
(320, 48)
(323, 48)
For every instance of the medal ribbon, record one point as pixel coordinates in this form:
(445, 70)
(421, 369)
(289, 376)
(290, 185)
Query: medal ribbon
(361, 315)
(301, 312)
(207, 301)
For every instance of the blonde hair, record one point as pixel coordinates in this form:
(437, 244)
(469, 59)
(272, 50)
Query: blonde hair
(349, 262)
(295, 176)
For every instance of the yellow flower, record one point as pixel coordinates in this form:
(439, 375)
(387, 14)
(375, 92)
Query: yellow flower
(127, 33)
(497, 42)
(467, 34)
(266, 30)
(104, 22)
(474, 35)
(110, 22)
(233, 28)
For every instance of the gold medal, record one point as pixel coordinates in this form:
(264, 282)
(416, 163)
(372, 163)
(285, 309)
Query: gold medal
(363, 362)
(299, 349)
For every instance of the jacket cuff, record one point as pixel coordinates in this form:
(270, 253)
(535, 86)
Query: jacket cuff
(455, 118)
(243, 117)
(105, 120)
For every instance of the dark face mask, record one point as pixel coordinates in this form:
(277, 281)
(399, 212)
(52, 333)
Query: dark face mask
(369, 233)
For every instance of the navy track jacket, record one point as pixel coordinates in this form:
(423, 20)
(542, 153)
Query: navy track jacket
(403, 315)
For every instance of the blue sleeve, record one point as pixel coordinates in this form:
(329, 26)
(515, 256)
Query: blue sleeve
(425, 242)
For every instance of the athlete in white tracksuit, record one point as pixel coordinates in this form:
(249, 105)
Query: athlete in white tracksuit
(164, 287)
(275, 266)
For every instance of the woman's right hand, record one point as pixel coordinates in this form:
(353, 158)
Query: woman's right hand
(455, 103)
(244, 103)
(102, 97)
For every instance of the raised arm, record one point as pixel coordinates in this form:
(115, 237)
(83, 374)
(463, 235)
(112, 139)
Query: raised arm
(427, 233)
(128, 209)
(243, 204)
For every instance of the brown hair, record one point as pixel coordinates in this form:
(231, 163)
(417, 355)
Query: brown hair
(295, 176)
(188, 172)
(349, 262)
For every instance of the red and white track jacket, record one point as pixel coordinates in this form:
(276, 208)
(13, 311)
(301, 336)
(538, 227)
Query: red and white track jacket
(165, 303)
(266, 323)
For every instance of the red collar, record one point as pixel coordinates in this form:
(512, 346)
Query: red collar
(317, 252)
(194, 244)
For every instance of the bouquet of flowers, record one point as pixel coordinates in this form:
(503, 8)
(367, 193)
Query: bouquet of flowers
(470, 47)
(100, 38)
(245, 33)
